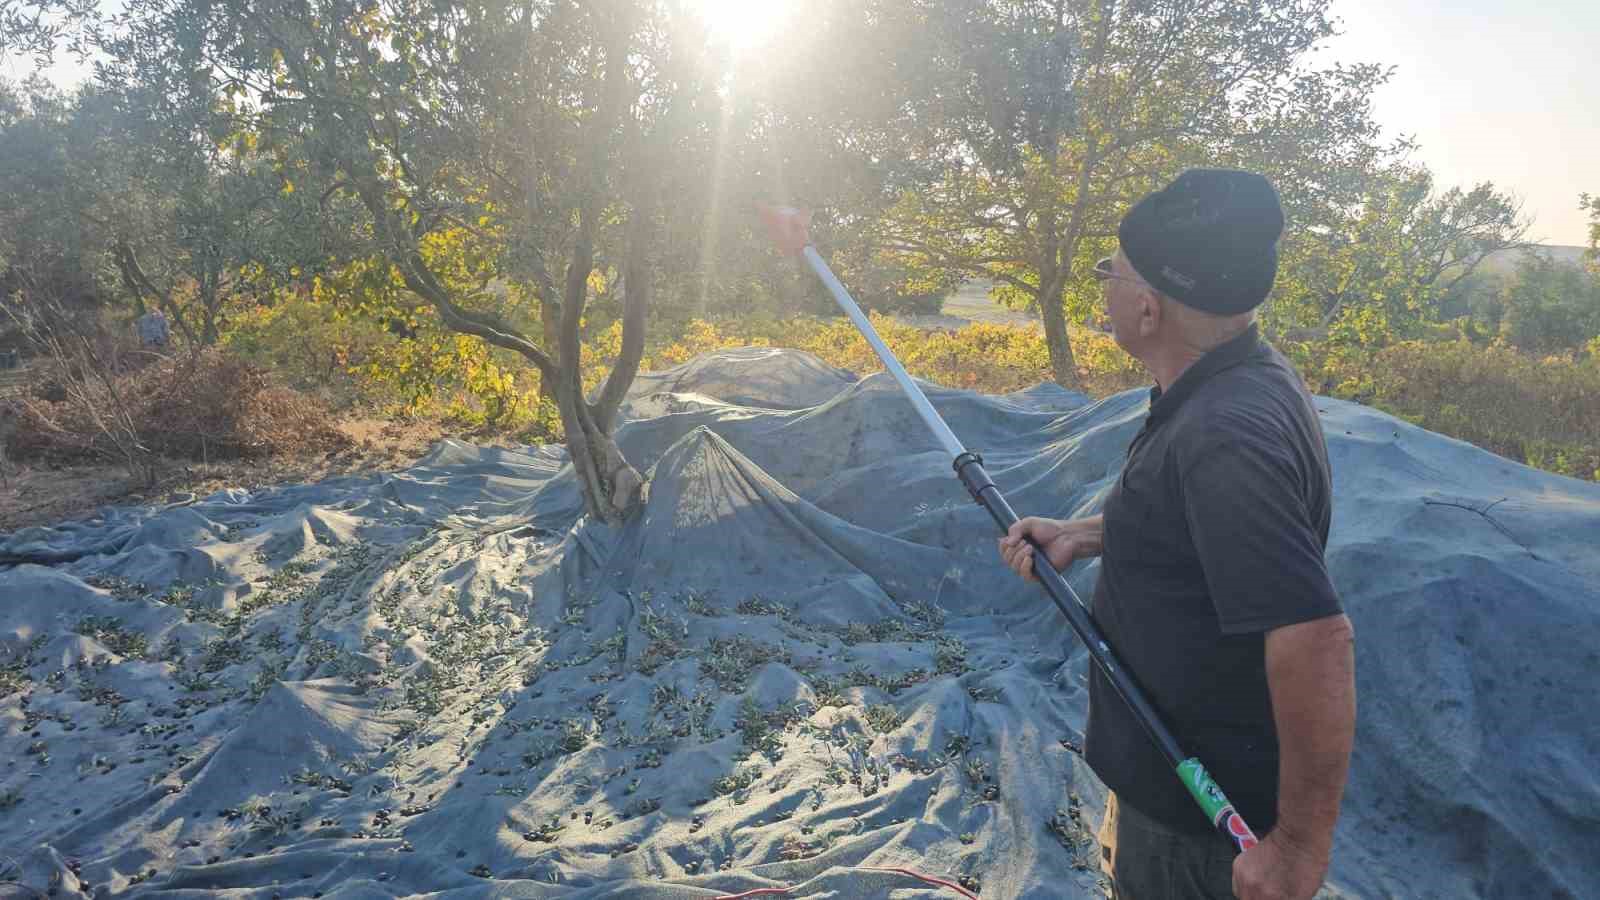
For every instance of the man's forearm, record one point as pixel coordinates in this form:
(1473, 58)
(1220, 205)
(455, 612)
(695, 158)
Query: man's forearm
(1311, 674)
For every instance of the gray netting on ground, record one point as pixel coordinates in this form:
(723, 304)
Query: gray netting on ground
(802, 665)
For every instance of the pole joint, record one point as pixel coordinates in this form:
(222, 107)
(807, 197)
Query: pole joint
(975, 480)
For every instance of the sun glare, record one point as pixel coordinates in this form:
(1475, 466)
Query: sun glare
(743, 23)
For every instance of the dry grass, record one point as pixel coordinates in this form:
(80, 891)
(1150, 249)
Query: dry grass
(41, 493)
(213, 407)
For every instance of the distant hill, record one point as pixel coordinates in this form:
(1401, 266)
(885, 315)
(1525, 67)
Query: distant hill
(1506, 261)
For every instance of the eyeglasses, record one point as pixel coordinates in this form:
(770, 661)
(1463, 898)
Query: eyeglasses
(1103, 270)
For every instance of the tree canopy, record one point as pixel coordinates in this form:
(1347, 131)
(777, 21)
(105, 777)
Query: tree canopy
(523, 175)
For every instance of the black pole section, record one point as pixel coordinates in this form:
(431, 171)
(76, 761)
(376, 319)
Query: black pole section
(1224, 818)
(969, 467)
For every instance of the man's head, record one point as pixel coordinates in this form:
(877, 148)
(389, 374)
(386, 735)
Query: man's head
(1196, 259)
(1147, 323)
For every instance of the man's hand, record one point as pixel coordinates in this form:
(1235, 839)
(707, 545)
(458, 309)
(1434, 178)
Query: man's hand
(1064, 541)
(1277, 869)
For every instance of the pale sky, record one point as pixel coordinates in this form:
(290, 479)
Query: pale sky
(1506, 91)
(1492, 90)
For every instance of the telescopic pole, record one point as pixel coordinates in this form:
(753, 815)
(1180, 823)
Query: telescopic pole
(789, 229)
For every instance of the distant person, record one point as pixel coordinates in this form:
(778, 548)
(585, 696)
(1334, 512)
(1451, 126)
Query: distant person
(1213, 588)
(153, 329)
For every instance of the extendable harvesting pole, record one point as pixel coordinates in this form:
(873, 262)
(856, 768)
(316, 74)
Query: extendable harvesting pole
(789, 229)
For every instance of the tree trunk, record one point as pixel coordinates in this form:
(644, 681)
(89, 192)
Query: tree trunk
(1063, 365)
(550, 319)
(209, 303)
(612, 489)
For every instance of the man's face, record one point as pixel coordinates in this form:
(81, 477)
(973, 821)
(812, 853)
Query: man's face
(1125, 294)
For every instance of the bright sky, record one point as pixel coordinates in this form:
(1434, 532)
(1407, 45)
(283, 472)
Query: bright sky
(745, 23)
(1506, 91)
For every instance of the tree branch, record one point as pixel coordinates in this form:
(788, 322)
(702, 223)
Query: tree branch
(636, 299)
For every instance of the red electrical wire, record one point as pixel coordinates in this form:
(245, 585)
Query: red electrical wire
(929, 879)
(917, 875)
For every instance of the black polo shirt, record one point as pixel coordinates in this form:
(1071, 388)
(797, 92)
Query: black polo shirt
(1214, 535)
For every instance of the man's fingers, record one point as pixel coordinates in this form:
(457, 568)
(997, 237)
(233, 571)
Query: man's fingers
(1015, 549)
(1019, 559)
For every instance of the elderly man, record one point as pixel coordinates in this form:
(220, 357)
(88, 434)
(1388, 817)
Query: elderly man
(1213, 588)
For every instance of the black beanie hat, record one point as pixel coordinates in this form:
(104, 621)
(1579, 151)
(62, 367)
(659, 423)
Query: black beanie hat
(1208, 240)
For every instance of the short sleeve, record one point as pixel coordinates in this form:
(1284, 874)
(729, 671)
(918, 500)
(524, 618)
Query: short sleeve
(1261, 552)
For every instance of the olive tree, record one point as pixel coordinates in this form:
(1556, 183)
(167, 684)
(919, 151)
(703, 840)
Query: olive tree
(550, 128)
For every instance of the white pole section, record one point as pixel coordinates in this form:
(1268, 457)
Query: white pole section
(924, 409)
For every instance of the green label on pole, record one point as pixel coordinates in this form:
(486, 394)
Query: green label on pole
(1216, 806)
(1205, 791)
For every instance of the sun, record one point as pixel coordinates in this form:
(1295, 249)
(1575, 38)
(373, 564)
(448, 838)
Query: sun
(742, 23)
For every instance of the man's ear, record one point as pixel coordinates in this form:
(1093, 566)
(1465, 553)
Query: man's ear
(1150, 312)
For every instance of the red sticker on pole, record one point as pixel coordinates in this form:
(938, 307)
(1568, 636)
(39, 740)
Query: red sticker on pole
(787, 226)
(1240, 832)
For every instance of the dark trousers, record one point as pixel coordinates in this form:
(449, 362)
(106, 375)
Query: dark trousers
(1146, 860)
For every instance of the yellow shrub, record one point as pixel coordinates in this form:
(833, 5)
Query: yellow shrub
(1544, 412)
(983, 357)
(1541, 411)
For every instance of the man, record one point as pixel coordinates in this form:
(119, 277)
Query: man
(1213, 588)
(153, 329)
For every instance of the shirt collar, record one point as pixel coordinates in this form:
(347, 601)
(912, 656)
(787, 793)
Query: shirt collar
(1224, 356)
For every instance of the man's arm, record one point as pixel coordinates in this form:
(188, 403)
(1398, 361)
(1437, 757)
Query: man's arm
(1311, 676)
(1311, 672)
